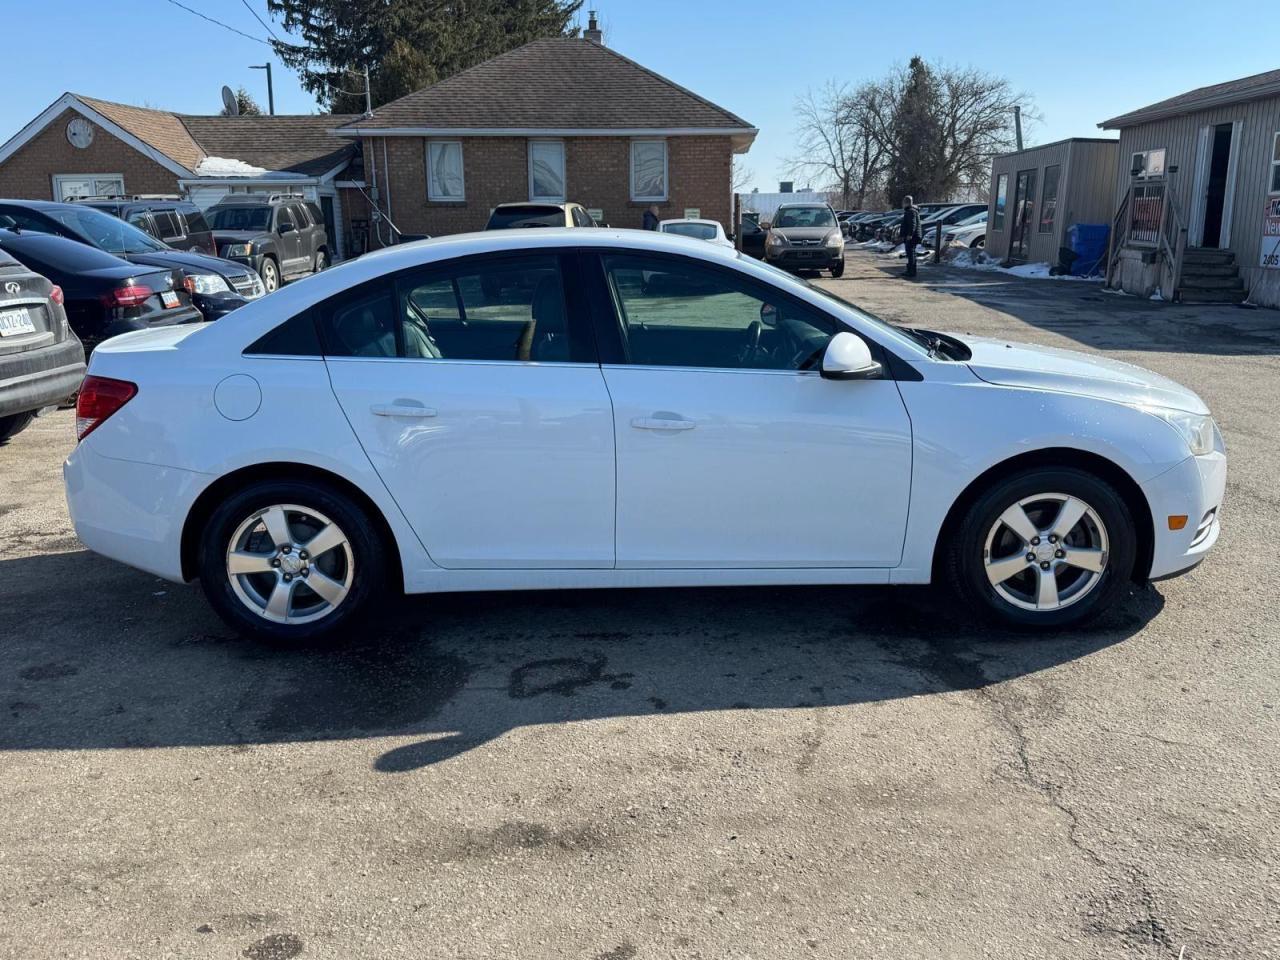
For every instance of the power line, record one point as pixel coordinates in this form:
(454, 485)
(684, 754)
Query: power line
(260, 20)
(219, 23)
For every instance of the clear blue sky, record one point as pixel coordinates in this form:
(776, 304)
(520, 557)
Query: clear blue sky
(1078, 61)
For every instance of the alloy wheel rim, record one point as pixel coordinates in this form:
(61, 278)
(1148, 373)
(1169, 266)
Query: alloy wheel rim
(290, 564)
(1046, 552)
(269, 276)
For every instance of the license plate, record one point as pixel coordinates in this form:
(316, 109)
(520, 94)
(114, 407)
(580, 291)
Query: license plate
(169, 298)
(16, 322)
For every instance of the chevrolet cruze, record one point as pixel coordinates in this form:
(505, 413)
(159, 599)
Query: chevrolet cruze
(565, 408)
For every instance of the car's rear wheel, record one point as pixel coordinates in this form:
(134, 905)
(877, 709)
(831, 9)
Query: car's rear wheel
(270, 275)
(14, 424)
(979, 243)
(291, 562)
(1046, 548)
(322, 260)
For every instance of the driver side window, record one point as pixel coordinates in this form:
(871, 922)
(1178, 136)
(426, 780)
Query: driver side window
(679, 313)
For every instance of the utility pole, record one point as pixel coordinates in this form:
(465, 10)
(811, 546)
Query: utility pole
(271, 96)
(368, 93)
(1017, 125)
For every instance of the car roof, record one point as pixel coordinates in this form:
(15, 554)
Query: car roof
(526, 204)
(804, 203)
(710, 223)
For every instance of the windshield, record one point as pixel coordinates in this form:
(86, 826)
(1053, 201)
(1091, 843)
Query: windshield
(105, 231)
(899, 335)
(980, 217)
(240, 218)
(804, 217)
(506, 218)
(699, 231)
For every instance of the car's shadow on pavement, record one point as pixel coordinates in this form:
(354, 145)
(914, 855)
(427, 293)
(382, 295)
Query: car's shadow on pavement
(99, 656)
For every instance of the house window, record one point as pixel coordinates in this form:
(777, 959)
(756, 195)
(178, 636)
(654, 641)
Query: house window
(1049, 198)
(67, 186)
(546, 170)
(444, 170)
(648, 169)
(1275, 164)
(1002, 198)
(1148, 164)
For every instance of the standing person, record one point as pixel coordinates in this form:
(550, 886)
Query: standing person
(651, 217)
(910, 232)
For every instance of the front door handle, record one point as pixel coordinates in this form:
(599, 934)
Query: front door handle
(662, 423)
(403, 408)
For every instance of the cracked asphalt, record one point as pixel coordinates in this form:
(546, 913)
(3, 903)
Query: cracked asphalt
(742, 773)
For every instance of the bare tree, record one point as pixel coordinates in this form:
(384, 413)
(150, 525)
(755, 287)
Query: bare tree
(834, 149)
(969, 113)
(742, 176)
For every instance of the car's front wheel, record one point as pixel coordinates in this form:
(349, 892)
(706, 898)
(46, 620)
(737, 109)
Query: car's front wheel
(289, 561)
(270, 275)
(1045, 548)
(837, 269)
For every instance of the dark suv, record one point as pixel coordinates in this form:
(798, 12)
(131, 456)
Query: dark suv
(179, 223)
(280, 236)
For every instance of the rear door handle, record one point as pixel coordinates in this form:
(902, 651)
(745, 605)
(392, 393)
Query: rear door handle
(403, 408)
(662, 423)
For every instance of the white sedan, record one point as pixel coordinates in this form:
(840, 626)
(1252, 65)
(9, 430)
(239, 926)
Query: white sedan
(597, 408)
(709, 230)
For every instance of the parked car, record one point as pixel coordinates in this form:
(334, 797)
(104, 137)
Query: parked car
(513, 216)
(805, 236)
(280, 236)
(751, 236)
(862, 227)
(970, 232)
(841, 450)
(177, 223)
(709, 230)
(216, 286)
(41, 361)
(103, 295)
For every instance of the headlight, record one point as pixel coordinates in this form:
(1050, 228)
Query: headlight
(205, 283)
(236, 250)
(777, 240)
(1199, 431)
(834, 239)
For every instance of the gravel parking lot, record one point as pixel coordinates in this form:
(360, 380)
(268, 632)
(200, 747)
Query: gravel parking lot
(744, 773)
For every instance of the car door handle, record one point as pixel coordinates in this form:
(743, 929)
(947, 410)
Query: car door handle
(662, 423)
(403, 409)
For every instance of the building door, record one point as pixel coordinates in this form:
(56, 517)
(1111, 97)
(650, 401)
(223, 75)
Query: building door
(1024, 193)
(1216, 187)
(330, 223)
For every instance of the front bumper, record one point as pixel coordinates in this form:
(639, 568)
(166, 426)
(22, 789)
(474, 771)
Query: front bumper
(804, 258)
(1194, 489)
(39, 378)
(128, 511)
(217, 305)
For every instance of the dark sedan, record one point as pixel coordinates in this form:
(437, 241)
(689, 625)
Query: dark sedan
(216, 286)
(104, 295)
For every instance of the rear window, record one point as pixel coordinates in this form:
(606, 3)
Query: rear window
(531, 215)
(38, 250)
(240, 218)
(699, 231)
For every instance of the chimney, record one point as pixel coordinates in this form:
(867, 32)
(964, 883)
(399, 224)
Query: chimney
(592, 32)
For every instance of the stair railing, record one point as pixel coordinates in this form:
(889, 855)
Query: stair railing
(1172, 243)
(1119, 235)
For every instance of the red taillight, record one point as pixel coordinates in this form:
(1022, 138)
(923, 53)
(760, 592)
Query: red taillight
(99, 398)
(56, 295)
(131, 295)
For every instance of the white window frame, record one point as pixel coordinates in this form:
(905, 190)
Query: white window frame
(462, 171)
(58, 179)
(564, 179)
(666, 171)
(1146, 164)
(1273, 184)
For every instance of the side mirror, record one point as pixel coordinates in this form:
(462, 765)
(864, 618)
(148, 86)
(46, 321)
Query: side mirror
(286, 228)
(849, 358)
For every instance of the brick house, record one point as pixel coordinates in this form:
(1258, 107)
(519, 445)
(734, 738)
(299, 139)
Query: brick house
(556, 119)
(83, 146)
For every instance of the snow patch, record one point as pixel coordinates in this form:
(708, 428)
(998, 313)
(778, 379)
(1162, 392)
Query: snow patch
(978, 260)
(219, 167)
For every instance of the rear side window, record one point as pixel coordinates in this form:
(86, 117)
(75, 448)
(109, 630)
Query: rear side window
(314, 213)
(168, 227)
(360, 323)
(293, 338)
(196, 223)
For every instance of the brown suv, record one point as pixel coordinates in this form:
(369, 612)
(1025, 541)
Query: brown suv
(805, 236)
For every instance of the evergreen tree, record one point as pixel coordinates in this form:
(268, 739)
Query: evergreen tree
(406, 44)
(918, 139)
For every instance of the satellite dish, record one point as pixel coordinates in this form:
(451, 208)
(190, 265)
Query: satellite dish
(230, 102)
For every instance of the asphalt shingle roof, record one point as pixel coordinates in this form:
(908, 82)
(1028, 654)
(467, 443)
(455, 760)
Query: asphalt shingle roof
(554, 84)
(159, 128)
(1246, 88)
(297, 144)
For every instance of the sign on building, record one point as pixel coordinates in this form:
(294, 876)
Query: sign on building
(693, 213)
(1271, 233)
(596, 214)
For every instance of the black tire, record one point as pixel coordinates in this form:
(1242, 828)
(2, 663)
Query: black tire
(322, 260)
(965, 569)
(837, 269)
(270, 275)
(14, 424)
(978, 244)
(367, 556)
